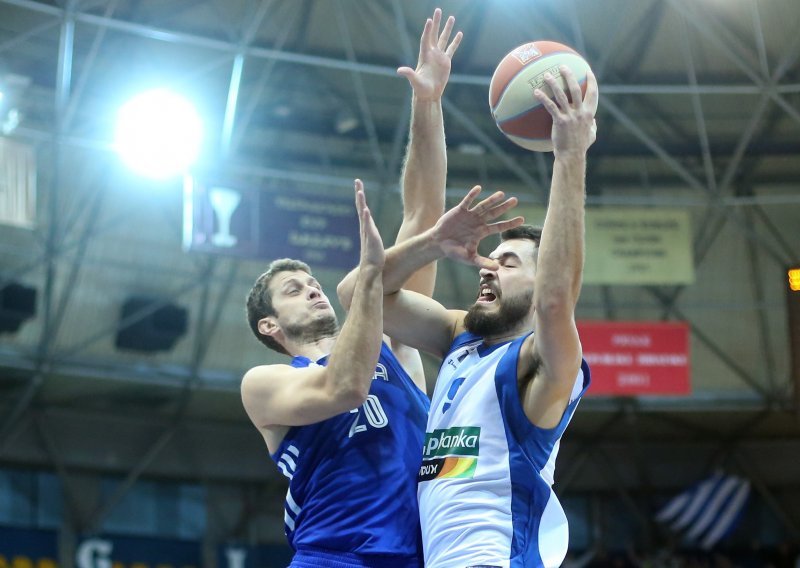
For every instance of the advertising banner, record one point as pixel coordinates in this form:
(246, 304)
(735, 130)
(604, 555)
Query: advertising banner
(636, 358)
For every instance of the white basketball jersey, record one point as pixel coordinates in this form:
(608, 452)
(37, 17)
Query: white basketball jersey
(485, 494)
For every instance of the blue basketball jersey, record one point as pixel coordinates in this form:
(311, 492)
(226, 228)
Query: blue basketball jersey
(352, 478)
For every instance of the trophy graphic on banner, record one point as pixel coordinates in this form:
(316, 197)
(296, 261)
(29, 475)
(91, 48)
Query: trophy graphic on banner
(224, 201)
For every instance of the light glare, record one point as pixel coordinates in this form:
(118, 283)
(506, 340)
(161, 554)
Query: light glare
(158, 133)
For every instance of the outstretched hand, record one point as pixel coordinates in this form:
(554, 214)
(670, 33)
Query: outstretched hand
(460, 229)
(435, 54)
(372, 251)
(574, 127)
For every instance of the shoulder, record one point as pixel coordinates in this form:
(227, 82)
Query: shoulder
(261, 376)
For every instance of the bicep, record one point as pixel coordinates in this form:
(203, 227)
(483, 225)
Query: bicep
(420, 322)
(280, 395)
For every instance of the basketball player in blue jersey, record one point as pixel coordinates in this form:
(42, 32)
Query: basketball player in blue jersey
(512, 370)
(344, 421)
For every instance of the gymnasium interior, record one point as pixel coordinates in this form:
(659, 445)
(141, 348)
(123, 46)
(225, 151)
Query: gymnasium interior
(123, 336)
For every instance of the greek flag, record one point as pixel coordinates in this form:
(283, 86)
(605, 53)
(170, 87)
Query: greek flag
(708, 511)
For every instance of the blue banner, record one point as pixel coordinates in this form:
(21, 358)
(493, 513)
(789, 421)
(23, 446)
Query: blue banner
(105, 551)
(28, 547)
(264, 556)
(320, 230)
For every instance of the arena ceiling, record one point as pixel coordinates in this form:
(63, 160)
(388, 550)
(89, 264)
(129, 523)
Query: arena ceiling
(699, 109)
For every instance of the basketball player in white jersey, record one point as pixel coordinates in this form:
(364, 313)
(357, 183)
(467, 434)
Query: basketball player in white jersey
(512, 370)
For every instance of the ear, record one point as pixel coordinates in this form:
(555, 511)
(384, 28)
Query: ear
(268, 326)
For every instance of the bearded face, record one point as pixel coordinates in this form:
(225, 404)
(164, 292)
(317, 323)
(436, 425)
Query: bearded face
(321, 327)
(506, 316)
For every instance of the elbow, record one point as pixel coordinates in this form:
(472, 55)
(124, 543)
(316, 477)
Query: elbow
(555, 305)
(344, 291)
(354, 396)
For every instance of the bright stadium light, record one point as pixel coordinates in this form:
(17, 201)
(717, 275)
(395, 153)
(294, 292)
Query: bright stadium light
(158, 133)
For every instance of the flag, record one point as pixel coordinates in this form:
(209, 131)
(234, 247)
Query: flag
(708, 511)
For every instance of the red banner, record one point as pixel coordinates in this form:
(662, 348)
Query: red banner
(633, 358)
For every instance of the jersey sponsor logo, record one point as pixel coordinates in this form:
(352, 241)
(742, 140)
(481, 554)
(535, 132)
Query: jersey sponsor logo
(450, 452)
(455, 441)
(451, 467)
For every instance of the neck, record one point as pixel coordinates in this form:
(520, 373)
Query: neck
(313, 350)
(519, 330)
(508, 336)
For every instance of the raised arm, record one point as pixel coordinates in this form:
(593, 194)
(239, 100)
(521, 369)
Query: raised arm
(425, 168)
(555, 348)
(287, 396)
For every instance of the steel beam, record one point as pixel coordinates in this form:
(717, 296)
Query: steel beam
(171, 36)
(697, 107)
(716, 349)
(25, 36)
(80, 85)
(765, 338)
(361, 94)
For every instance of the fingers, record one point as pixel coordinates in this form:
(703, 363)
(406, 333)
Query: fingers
(501, 226)
(547, 103)
(489, 203)
(408, 73)
(470, 197)
(425, 38)
(444, 37)
(592, 91)
(502, 208)
(451, 49)
(558, 93)
(485, 262)
(361, 199)
(437, 20)
(574, 89)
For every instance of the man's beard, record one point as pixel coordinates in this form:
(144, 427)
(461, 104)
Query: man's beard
(511, 313)
(320, 328)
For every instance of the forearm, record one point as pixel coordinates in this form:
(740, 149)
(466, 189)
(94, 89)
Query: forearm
(423, 183)
(406, 258)
(425, 169)
(402, 260)
(354, 357)
(561, 253)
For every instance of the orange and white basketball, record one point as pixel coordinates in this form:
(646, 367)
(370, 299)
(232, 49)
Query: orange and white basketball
(518, 113)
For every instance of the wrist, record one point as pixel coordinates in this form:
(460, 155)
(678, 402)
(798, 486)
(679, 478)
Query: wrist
(570, 158)
(426, 103)
(369, 269)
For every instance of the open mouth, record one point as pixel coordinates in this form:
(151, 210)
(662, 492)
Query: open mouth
(486, 296)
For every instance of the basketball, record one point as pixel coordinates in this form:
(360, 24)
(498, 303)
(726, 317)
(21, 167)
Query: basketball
(518, 113)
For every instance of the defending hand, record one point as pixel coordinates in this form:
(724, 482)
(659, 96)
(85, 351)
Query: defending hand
(372, 252)
(460, 229)
(433, 67)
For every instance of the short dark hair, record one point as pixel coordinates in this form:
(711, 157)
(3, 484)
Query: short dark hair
(527, 232)
(259, 300)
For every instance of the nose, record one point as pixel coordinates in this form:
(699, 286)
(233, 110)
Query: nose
(313, 293)
(487, 274)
